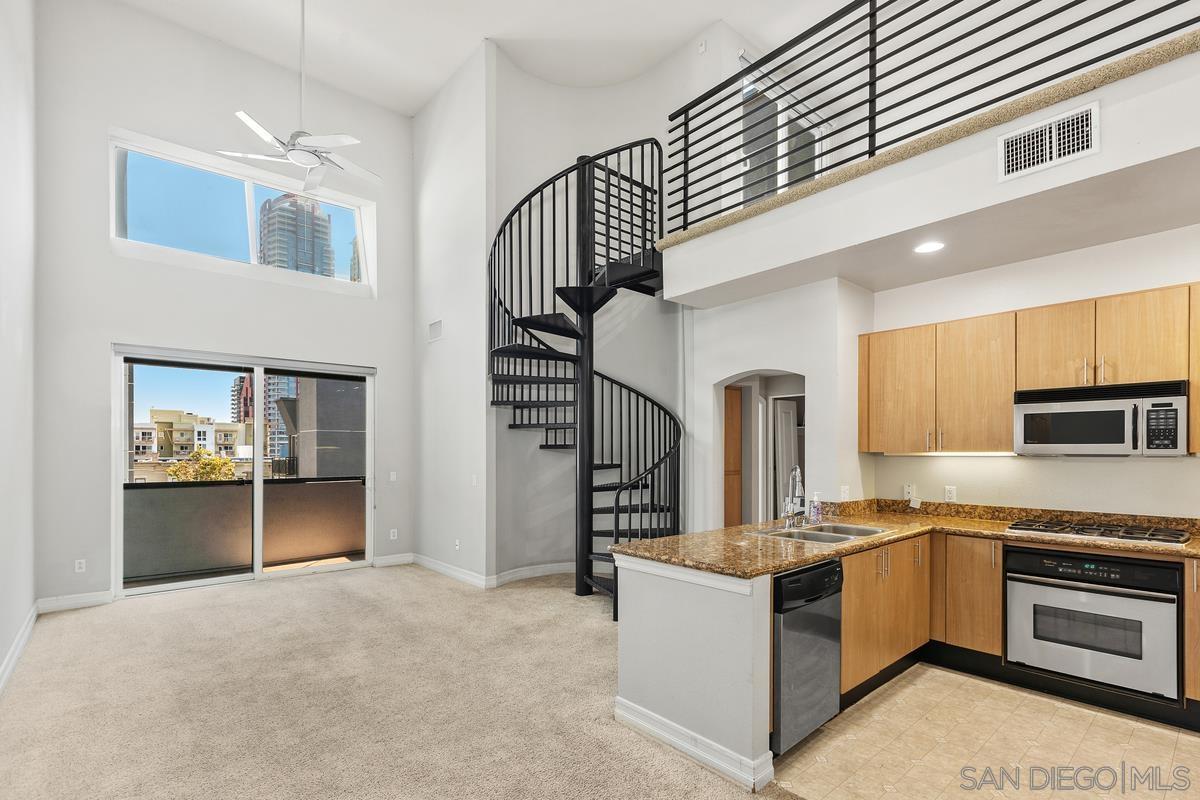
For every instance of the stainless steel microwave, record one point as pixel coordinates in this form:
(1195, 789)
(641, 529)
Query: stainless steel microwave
(1132, 419)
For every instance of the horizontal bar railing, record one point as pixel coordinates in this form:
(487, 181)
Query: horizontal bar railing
(878, 73)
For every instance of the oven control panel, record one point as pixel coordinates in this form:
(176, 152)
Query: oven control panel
(1127, 572)
(1162, 428)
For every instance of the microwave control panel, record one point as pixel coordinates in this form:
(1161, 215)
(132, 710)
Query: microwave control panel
(1162, 428)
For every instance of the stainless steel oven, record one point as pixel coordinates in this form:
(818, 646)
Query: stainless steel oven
(1111, 621)
(1143, 419)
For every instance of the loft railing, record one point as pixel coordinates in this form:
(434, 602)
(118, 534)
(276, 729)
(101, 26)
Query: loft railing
(877, 73)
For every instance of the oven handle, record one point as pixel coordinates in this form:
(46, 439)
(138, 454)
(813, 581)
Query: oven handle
(1094, 588)
(1134, 425)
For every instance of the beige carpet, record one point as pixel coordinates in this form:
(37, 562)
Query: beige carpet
(369, 683)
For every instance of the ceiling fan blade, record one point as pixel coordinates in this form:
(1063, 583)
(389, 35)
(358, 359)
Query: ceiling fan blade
(327, 141)
(260, 131)
(257, 156)
(313, 178)
(346, 165)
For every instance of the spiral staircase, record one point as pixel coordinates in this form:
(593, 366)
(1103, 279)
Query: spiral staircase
(558, 258)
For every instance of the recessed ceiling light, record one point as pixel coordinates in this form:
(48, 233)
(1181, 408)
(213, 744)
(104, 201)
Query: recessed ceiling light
(928, 247)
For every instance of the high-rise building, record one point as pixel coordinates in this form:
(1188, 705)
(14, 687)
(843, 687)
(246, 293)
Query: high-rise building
(241, 399)
(241, 409)
(294, 233)
(355, 263)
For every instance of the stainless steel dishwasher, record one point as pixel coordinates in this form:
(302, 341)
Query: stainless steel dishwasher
(808, 651)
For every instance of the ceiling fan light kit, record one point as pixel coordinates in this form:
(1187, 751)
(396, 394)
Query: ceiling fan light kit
(301, 148)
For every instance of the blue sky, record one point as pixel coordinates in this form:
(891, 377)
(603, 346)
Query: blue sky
(177, 206)
(202, 391)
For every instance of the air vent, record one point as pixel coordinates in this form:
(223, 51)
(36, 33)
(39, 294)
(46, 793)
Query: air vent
(1050, 143)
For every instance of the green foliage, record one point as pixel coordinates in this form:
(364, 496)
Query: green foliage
(202, 465)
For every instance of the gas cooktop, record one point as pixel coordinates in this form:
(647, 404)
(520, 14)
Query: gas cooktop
(1100, 530)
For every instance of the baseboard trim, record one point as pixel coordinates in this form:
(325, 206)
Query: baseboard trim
(451, 571)
(394, 560)
(17, 647)
(532, 571)
(66, 602)
(753, 774)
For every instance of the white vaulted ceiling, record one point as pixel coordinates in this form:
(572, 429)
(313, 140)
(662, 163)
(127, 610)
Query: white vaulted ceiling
(398, 52)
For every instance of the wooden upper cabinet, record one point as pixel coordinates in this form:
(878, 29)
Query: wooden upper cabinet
(864, 393)
(1143, 336)
(974, 594)
(976, 376)
(902, 382)
(1194, 381)
(1056, 346)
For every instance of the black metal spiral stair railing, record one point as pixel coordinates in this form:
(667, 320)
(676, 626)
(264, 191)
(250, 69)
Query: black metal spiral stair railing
(560, 255)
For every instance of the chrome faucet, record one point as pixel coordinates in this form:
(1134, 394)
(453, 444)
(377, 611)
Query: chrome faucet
(793, 505)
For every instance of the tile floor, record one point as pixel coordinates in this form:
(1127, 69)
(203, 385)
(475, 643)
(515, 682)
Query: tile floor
(913, 736)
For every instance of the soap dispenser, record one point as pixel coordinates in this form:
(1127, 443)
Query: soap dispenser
(814, 510)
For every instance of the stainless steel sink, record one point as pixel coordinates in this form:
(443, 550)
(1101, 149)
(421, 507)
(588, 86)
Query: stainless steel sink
(840, 529)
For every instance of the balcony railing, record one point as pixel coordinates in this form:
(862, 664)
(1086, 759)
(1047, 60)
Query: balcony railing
(878, 73)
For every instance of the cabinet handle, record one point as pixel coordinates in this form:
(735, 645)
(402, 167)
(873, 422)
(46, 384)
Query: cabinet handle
(1195, 576)
(941, 439)
(1085, 372)
(928, 434)
(993, 555)
(918, 552)
(879, 562)
(1102, 378)
(887, 562)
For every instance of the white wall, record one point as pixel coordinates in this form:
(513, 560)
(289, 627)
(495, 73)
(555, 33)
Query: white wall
(102, 65)
(16, 321)
(540, 128)
(1134, 485)
(452, 188)
(801, 331)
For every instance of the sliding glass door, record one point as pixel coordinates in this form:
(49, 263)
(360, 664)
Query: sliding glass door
(202, 500)
(188, 491)
(314, 482)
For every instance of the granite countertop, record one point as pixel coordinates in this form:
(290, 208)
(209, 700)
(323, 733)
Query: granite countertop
(741, 553)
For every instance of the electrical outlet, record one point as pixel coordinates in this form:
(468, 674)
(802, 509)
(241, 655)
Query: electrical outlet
(910, 491)
(703, 46)
(393, 534)
(81, 565)
(474, 480)
(844, 494)
(392, 477)
(457, 544)
(951, 494)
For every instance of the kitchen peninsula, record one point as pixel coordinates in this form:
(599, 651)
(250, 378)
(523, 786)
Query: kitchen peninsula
(697, 649)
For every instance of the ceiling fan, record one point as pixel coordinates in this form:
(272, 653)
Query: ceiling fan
(302, 148)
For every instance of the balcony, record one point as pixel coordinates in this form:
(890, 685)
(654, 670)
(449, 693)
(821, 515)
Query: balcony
(829, 156)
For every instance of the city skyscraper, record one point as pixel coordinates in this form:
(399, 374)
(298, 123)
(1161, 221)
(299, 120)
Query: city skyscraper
(241, 402)
(355, 264)
(294, 233)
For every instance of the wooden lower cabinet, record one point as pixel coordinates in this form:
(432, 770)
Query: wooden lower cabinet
(907, 578)
(862, 589)
(885, 607)
(1191, 639)
(974, 593)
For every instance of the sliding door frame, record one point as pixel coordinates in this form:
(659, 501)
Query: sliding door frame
(258, 365)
